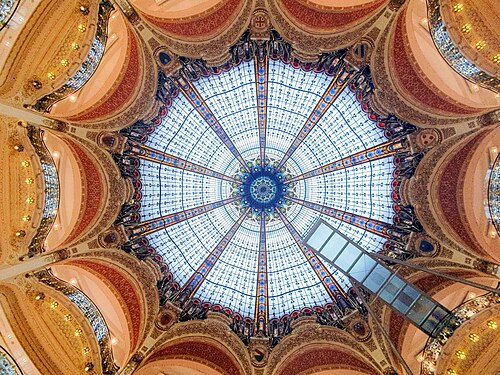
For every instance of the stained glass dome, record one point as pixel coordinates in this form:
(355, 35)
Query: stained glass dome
(240, 164)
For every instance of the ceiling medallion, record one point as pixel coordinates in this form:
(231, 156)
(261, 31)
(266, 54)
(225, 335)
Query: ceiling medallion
(264, 188)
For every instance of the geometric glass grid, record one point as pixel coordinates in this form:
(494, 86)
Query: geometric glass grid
(262, 113)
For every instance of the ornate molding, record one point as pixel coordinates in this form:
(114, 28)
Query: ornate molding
(90, 311)
(50, 189)
(452, 54)
(88, 66)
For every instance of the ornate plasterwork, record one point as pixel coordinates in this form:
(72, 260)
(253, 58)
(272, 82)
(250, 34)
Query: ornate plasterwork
(50, 29)
(481, 18)
(137, 104)
(480, 356)
(310, 333)
(428, 178)
(216, 50)
(140, 273)
(201, 26)
(126, 291)
(414, 84)
(89, 64)
(111, 193)
(42, 330)
(387, 93)
(214, 327)
(421, 190)
(310, 45)
(448, 193)
(326, 19)
(15, 192)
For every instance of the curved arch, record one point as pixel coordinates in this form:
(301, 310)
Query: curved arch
(319, 357)
(179, 10)
(448, 193)
(475, 186)
(70, 189)
(115, 297)
(94, 190)
(120, 60)
(177, 367)
(203, 25)
(117, 87)
(204, 350)
(411, 80)
(436, 70)
(327, 17)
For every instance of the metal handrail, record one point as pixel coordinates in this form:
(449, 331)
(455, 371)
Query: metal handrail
(452, 55)
(7, 10)
(50, 190)
(8, 365)
(91, 312)
(445, 329)
(494, 194)
(89, 65)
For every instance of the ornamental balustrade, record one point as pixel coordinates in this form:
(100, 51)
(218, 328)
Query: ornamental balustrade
(90, 311)
(50, 190)
(445, 329)
(451, 53)
(89, 65)
(494, 194)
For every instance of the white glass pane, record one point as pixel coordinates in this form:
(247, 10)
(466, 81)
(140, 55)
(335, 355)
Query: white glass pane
(362, 267)
(349, 255)
(319, 237)
(333, 246)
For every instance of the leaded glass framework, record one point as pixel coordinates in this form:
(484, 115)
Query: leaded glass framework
(241, 162)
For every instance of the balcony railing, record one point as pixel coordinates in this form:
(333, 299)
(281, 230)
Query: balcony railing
(50, 190)
(91, 312)
(494, 194)
(452, 54)
(89, 65)
(7, 10)
(449, 325)
(8, 365)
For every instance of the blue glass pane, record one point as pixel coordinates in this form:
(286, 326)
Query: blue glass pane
(377, 278)
(319, 237)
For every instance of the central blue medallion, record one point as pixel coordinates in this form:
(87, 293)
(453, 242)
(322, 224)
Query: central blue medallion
(263, 188)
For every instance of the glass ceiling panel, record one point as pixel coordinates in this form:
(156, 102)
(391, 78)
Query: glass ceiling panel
(185, 134)
(165, 184)
(231, 279)
(292, 95)
(232, 98)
